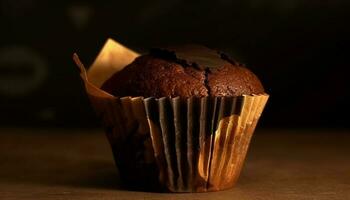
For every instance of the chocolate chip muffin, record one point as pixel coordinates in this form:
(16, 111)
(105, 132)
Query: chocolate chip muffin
(185, 71)
(176, 144)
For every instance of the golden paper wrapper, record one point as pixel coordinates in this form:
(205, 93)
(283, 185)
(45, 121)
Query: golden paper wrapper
(173, 144)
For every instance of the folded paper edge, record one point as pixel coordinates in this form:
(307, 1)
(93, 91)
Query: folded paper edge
(112, 58)
(91, 89)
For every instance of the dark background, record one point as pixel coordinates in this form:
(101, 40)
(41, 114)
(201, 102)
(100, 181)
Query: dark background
(298, 48)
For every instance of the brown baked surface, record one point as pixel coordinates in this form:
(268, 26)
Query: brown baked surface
(191, 71)
(231, 80)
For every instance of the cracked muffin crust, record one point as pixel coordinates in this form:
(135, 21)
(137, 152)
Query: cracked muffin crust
(185, 71)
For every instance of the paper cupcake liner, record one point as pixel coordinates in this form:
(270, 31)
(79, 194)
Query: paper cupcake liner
(181, 145)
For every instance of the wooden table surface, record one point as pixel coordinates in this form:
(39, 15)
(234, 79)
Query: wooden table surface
(77, 164)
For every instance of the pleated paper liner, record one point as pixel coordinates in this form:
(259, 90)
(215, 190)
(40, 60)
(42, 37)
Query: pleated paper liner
(173, 144)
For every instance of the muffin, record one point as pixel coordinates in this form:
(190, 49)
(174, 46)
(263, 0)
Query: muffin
(178, 119)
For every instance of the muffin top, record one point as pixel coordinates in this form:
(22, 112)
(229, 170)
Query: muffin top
(184, 71)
